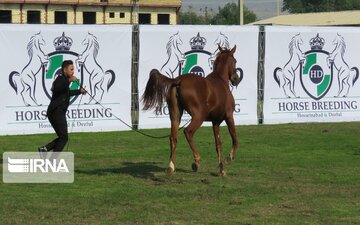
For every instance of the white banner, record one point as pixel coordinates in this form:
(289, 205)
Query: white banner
(30, 59)
(171, 50)
(311, 74)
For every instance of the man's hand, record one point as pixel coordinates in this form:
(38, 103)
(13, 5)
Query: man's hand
(72, 79)
(83, 91)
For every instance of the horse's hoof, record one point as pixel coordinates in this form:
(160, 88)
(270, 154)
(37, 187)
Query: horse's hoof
(222, 173)
(195, 167)
(169, 171)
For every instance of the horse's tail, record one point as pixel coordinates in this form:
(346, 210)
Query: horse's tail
(111, 79)
(356, 75)
(14, 78)
(156, 90)
(276, 75)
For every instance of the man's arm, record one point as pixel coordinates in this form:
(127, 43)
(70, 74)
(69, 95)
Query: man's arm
(75, 92)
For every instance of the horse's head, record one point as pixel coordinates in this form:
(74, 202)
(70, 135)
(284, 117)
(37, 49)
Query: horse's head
(294, 46)
(92, 47)
(88, 39)
(34, 47)
(225, 61)
(338, 40)
(299, 40)
(176, 39)
(38, 39)
(339, 43)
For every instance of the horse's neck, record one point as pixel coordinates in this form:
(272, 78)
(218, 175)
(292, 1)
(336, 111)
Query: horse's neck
(176, 49)
(337, 50)
(38, 50)
(220, 74)
(89, 49)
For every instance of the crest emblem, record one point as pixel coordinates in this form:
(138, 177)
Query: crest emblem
(197, 61)
(62, 52)
(316, 74)
(195, 58)
(48, 66)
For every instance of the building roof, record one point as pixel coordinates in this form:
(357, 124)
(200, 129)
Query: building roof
(140, 3)
(342, 18)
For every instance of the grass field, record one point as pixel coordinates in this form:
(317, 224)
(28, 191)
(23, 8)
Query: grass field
(283, 174)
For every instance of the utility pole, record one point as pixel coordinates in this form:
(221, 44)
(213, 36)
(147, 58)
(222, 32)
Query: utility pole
(278, 8)
(241, 7)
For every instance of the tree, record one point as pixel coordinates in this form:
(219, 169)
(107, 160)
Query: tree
(228, 15)
(305, 6)
(190, 17)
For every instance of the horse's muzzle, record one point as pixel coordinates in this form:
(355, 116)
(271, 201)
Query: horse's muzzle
(235, 79)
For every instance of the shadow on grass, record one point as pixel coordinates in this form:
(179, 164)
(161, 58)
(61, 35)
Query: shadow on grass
(143, 170)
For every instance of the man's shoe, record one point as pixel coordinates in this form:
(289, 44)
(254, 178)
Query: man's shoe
(42, 152)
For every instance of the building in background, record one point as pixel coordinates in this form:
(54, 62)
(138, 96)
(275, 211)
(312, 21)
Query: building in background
(341, 18)
(90, 11)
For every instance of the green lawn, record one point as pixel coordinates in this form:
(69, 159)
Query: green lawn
(283, 174)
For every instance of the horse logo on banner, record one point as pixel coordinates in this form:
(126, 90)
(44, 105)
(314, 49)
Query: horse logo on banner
(346, 77)
(197, 60)
(99, 81)
(316, 68)
(48, 67)
(24, 82)
(285, 76)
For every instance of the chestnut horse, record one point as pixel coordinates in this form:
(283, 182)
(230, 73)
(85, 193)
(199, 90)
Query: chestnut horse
(205, 99)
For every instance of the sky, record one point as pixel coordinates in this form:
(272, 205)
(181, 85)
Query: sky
(262, 8)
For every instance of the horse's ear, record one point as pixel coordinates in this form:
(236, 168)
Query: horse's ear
(220, 48)
(233, 50)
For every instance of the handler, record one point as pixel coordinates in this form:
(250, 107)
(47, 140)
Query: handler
(56, 111)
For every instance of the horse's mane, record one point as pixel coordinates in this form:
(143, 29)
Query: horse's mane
(170, 42)
(291, 44)
(96, 45)
(342, 45)
(30, 45)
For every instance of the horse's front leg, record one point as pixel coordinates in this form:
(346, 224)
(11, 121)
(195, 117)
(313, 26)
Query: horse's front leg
(216, 131)
(330, 60)
(231, 127)
(79, 62)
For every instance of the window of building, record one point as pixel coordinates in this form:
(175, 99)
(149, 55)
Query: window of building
(112, 15)
(33, 17)
(122, 15)
(144, 18)
(60, 17)
(163, 18)
(5, 16)
(89, 17)
(103, 0)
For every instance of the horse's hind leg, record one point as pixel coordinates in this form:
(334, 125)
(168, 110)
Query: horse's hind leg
(175, 116)
(216, 131)
(231, 127)
(189, 133)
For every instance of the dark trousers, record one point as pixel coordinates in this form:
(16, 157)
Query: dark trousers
(58, 121)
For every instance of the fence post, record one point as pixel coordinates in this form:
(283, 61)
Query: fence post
(261, 74)
(134, 77)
